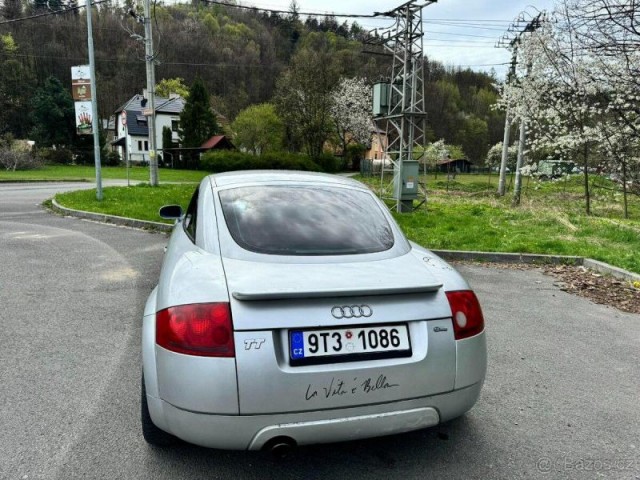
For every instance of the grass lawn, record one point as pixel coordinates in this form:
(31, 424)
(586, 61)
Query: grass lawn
(467, 216)
(141, 201)
(549, 220)
(79, 172)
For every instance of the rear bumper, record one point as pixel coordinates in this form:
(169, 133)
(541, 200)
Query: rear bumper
(241, 432)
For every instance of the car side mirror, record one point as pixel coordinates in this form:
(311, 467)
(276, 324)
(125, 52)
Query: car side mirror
(171, 212)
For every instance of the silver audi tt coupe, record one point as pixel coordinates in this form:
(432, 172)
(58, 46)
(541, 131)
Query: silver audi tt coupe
(292, 310)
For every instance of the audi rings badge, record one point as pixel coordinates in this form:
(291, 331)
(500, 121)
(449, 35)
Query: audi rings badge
(351, 311)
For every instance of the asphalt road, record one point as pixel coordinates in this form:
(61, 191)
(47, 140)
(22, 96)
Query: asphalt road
(561, 399)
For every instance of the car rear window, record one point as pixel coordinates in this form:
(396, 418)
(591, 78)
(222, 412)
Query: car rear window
(305, 220)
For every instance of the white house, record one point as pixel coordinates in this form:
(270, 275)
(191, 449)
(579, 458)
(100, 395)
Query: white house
(132, 129)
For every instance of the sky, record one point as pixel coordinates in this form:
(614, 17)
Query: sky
(457, 32)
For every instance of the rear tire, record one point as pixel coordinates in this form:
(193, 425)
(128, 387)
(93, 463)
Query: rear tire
(152, 434)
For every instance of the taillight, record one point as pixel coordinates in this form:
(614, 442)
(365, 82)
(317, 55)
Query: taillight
(202, 329)
(467, 315)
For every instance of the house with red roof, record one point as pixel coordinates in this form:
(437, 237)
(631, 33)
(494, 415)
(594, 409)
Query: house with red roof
(217, 142)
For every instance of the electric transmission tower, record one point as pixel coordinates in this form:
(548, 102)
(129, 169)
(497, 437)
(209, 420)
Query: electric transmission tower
(399, 105)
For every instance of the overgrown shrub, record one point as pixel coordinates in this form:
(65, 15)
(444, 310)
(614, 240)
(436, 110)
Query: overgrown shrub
(18, 160)
(225, 161)
(111, 159)
(83, 157)
(59, 156)
(355, 154)
(329, 163)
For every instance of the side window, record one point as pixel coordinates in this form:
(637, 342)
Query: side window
(191, 216)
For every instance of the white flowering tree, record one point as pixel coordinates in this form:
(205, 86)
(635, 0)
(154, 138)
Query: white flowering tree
(351, 111)
(574, 89)
(611, 33)
(494, 156)
(437, 151)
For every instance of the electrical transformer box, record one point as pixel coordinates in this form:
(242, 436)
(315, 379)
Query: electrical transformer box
(380, 99)
(406, 188)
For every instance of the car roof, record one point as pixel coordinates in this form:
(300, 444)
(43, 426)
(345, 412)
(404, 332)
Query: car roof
(277, 176)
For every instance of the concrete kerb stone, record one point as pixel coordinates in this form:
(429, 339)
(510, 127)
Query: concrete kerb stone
(610, 270)
(497, 257)
(530, 258)
(114, 219)
(494, 257)
(37, 180)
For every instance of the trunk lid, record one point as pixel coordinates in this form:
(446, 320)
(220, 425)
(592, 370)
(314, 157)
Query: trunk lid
(270, 299)
(256, 288)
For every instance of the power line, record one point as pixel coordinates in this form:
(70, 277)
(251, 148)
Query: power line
(289, 12)
(463, 25)
(484, 64)
(459, 34)
(446, 45)
(459, 41)
(137, 62)
(281, 9)
(46, 14)
(475, 20)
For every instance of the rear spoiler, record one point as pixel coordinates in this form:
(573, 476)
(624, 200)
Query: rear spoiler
(345, 292)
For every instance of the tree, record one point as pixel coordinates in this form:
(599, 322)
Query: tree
(474, 138)
(351, 111)
(439, 150)
(167, 86)
(620, 148)
(494, 156)
(16, 89)
(197, 120)
(443, 109)
(53, 115)
(294, 9)
(11, 9)
(609, 30)
(47, 5)
(580, 91)
(303, 95)
(258, 129)
(16, 156)
(554, 95)
(167, 143)
(435, 152)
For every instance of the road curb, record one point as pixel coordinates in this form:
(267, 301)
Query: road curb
(602, 267)
(538, 259)
(494, 257)
(60, 180)
(113, 219)
(497, 257)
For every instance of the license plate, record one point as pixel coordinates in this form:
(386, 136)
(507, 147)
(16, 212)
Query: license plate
(342, 344)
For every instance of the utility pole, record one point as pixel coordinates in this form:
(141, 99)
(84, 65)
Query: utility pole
(517, 187)
(150, 110)
(521, 146)
(507, 128)
(95, 121)
(511, 39)
(151, 91)
(403, 117)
